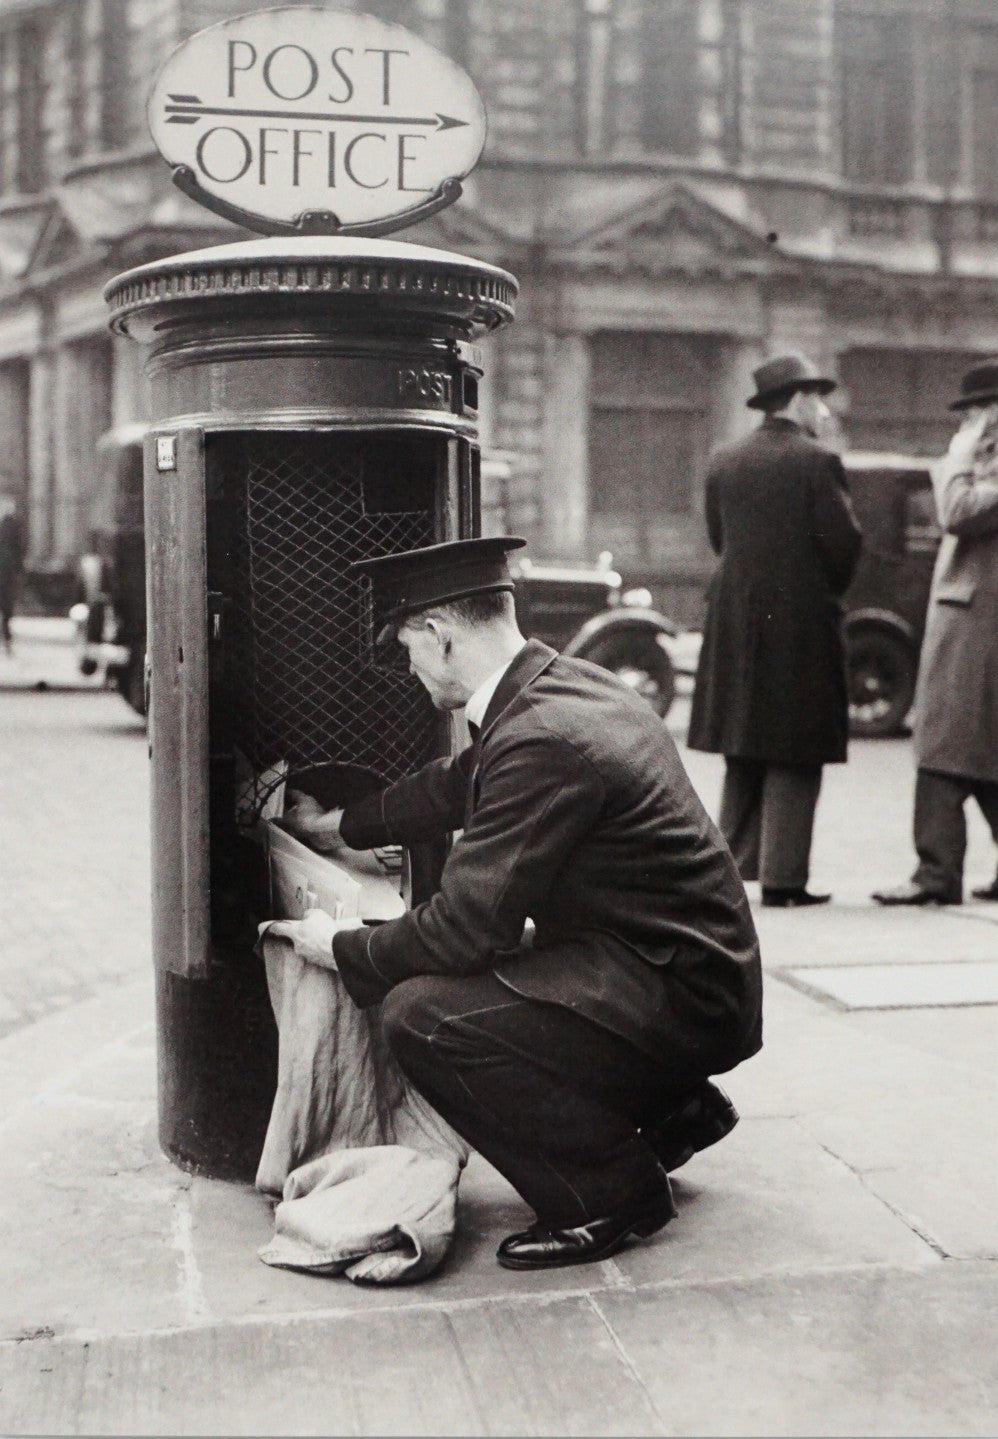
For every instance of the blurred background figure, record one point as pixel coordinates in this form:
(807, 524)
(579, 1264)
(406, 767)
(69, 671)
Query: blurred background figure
(11, 563)
(770, 690)
(956, 703)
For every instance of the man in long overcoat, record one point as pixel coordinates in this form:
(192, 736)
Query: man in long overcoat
(956, 725)
(578, 1064)
(771, 687)
(11, 563)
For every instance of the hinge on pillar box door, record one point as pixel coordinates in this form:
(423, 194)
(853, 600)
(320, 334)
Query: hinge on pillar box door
(218, 604)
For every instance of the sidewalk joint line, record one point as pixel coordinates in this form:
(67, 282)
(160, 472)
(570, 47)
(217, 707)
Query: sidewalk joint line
(191, 1285)
(906, 1219)
(628, 1364)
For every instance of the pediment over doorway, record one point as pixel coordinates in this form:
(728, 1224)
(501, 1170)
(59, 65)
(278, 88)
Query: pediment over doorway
(677, 230)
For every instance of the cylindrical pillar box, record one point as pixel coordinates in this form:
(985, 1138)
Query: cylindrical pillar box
(314, 403)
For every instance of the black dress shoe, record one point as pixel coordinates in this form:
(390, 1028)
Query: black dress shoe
(541, 1247)
(704, 1118)
(791, 898)
(913, 894)
(989, 891)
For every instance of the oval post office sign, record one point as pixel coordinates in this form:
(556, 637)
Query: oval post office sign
(313, 120)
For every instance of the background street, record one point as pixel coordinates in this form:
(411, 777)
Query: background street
(832, 1269)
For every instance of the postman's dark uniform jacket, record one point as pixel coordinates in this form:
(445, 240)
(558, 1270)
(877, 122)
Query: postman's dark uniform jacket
(578, 814)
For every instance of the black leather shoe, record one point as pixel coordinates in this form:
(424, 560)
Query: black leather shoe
(791, 898)
(707, 1116)
(912, 894)
(540, 1247)
(989, 891)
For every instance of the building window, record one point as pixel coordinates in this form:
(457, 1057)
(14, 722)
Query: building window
(670, 85)
(594, 51)
(982, 107)
(24, 117)
(876, 97)
(898, 399)
(648, 436)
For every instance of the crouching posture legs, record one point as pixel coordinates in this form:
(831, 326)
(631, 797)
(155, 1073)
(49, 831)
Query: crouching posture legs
(553, 1100)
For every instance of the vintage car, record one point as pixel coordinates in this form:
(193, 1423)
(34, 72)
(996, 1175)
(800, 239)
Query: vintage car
(887, 600)
(110, 617)
(585, 611)
(582, 610)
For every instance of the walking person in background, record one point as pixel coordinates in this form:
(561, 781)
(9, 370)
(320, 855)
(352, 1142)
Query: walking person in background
(956, 702)
(11, 563)
(771, 685)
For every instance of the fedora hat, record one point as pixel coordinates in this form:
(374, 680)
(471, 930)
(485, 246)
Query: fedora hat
(979, 386)
(785, 374)
(415, 580)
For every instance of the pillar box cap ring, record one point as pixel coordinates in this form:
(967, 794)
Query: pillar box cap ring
(360, 275)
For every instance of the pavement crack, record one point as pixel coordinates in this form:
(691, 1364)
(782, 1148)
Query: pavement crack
(908, 1220)
(629, 1365)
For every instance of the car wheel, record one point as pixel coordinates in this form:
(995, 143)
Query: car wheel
(881, 675)
(639, 660)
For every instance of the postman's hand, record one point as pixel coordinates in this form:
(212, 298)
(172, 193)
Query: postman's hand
(312, 935)
(308, 821)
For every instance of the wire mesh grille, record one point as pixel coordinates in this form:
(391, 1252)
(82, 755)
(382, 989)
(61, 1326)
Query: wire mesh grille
(304, 686)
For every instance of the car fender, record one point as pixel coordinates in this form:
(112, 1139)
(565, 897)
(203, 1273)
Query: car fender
(621, 619)
(876, 619)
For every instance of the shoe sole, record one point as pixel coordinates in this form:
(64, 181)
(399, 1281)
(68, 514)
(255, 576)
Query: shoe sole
(715, 1124)
(643, 1228)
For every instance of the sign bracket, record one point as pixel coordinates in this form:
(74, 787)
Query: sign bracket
(312, 222)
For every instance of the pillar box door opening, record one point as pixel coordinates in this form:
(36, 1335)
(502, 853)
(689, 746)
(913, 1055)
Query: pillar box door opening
(314, 403)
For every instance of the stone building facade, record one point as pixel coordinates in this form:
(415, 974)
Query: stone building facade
(681, 186)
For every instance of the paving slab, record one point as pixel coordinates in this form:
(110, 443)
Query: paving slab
(770, 1199)
(878, 1352)
(934, 984)
(230, 1222)
(964, 1037)
(492, 1369)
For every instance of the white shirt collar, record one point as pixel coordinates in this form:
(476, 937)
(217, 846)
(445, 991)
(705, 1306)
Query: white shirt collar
(475, 709)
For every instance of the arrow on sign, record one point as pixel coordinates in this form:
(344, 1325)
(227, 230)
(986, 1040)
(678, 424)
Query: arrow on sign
(188, 110)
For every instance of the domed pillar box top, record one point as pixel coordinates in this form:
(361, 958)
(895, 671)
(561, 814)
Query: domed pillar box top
(313, 328)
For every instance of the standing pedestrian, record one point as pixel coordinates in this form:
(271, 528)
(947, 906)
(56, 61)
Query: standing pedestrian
(770, 689)
(11, 563)
(578, 1064)
(956, 701)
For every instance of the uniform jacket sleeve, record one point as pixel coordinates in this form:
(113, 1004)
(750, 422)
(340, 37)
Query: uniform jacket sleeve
(834, 530)
(538, 799)
(422, 806)
(967, 501)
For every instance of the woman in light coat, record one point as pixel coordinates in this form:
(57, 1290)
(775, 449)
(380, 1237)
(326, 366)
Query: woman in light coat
(956, 729)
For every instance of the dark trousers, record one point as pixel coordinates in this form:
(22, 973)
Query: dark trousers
(767, 819)
(941, 827)
(552, 1100)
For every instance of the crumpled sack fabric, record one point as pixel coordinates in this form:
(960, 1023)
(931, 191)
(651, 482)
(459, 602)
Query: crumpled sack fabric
(383, 1215)
(367, 1169)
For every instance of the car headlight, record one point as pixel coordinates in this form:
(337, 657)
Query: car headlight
(639, 599)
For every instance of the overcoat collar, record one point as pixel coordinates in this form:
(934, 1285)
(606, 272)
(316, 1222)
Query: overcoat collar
(532, 660)
(781, 423)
